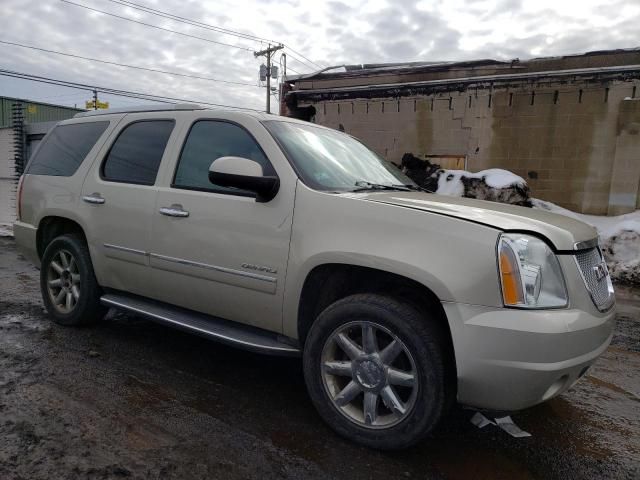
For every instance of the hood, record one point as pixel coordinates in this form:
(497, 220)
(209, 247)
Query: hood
(564, 232)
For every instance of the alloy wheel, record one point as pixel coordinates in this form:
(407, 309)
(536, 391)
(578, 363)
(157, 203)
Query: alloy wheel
(63, 281)
(369, 374)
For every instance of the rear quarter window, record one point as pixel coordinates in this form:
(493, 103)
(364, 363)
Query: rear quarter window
(65, 148)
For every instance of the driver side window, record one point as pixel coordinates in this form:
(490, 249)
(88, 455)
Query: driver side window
(209, 140)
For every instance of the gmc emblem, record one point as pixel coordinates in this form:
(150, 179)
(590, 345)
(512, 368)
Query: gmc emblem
(601, 270)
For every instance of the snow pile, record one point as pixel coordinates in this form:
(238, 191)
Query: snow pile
(486, 184)
(6, 230)
(619, 237)
(494, 184)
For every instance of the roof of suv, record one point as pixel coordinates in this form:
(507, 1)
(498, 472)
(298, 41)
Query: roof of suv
(185, 107)
(168, 108)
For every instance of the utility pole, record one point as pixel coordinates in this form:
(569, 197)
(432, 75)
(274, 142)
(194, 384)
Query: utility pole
(268, 52)
(95, 99)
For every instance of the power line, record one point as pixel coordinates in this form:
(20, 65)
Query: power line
(298, 53)
(226, 31)
(157, 27)
(113, 91)
(196, 23)
(107, 62)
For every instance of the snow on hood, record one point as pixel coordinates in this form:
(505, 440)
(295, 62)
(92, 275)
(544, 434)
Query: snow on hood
(561, 230)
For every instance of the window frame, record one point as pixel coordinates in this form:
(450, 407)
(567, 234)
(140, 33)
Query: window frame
(239, 193)
(115, 140)
(50, 132)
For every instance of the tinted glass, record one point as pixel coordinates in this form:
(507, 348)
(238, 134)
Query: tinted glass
(135, 155)
(209, 140)
(331, 160)
(65, 148)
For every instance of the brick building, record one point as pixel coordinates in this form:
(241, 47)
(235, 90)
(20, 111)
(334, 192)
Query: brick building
(569, 125)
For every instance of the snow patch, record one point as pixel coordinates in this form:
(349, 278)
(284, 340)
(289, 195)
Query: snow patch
(450, 181)
(498, 178)
(619, 238)
(6, 230)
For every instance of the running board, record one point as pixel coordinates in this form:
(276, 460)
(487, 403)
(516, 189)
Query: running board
(224, 331)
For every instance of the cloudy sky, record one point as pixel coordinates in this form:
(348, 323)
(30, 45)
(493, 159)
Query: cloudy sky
(327, 33)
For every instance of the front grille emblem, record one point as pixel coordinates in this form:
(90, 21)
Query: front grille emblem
(601, 271)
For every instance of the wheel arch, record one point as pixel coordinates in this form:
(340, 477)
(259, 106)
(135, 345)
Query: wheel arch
(329, 282)
(52, 226)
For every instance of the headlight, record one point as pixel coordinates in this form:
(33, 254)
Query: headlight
(530, 274)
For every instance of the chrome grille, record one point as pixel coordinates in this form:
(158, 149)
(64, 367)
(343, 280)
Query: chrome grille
(596, 277)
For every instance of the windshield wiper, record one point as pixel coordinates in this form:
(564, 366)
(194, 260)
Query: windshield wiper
(364, 186)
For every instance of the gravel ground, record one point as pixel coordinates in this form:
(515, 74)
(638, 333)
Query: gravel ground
(131, 399)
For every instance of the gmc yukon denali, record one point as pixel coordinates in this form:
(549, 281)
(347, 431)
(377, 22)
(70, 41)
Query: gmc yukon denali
(284, 237)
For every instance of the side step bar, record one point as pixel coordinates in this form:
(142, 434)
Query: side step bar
(234, 334)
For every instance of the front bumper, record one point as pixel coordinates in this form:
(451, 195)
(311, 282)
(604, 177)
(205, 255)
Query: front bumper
(509, 359)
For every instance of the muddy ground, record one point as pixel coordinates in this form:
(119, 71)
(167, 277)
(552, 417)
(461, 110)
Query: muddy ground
(132, 399)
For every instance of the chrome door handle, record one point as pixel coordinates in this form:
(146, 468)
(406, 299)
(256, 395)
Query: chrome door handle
(174, 211)
(94, 198)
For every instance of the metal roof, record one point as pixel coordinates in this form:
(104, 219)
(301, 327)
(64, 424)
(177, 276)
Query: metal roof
(411, 88)
(34, 111)
(371, 69)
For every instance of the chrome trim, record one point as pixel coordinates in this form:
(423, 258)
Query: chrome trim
(585, 245)
(114, 303)
(124, 249)
(94, 199)
(612, 298)
(216, 268)
(173, 211)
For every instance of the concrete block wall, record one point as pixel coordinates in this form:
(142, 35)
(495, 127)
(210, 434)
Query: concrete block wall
(624, 194)
(572, 142)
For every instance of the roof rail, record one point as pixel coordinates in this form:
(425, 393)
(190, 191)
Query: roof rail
(142, 108)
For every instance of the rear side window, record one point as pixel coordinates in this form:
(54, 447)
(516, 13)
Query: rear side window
(64, 149)
(209, 140)
(135, 155)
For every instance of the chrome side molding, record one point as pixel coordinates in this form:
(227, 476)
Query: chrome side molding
(217, 268)
(124, 249)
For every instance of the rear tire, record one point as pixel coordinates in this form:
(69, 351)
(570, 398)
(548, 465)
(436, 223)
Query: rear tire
(70, 291)
(362, 391)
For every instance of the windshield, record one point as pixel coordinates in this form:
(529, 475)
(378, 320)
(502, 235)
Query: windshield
(333, 161)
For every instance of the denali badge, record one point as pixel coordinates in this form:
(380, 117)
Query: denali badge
(601, 270)
(259, 268)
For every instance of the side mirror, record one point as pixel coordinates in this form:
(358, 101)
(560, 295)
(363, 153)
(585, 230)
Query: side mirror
(244, 174)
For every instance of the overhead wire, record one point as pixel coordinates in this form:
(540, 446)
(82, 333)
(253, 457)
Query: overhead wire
(157, 27)
(113, 91)
(108, 62)
(153, 11)
(197, 23)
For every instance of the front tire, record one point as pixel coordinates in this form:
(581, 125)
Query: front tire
(70, 291)
(375, 370)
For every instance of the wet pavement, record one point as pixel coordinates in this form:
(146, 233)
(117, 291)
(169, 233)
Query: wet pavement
(131, 399)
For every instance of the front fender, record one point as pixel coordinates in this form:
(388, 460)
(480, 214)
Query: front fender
(453, 258)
